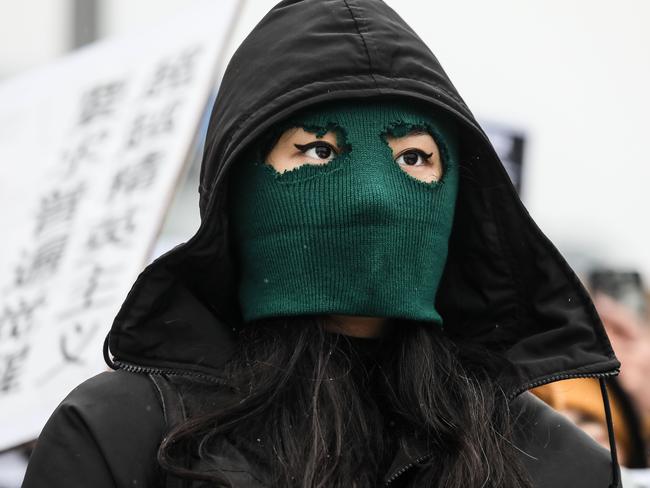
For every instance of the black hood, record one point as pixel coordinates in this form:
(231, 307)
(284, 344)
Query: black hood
(505, 286)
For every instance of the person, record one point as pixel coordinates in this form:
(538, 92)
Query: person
(629, 334)
(365, 303)
(580, 400)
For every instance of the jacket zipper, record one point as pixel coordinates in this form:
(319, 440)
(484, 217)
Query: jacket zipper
(560, 377)
(134, 368)
(405, 468)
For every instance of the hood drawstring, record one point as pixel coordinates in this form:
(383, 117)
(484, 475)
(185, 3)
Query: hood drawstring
(610, 433)
(107, 355)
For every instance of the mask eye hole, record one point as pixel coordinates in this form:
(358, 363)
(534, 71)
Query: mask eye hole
(414, 157)
(417, 154)
(298, 147)
(320, 150)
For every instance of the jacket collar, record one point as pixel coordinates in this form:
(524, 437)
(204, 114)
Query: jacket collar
(410, 452)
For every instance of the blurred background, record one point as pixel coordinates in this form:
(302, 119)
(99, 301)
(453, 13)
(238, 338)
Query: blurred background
(570, 78)
(561, 88)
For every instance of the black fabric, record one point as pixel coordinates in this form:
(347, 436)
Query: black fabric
(174, 414)
(366, 355)
(554, 451)
(636, 457)
(106, 432)
(367, 349)
(505, 286)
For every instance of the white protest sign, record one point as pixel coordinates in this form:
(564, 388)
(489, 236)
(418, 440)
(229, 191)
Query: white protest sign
(91, 148)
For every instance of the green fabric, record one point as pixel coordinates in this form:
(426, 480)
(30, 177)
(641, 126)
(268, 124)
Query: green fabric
(356, 236)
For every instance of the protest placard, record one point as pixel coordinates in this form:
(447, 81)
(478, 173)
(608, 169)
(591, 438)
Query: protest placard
(92, 147)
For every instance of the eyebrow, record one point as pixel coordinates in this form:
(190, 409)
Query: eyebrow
(323, 131)
(416, 131)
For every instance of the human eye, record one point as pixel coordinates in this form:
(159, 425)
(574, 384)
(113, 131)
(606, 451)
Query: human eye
(318, 150)
(413, 157)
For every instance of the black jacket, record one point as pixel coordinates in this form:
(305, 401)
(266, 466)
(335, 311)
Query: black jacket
(505, 286)
(106, 434)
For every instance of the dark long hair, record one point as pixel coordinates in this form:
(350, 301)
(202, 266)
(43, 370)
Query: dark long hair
(315, 413)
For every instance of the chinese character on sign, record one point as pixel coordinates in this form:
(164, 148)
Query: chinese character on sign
(113, 230)
(136, 177)
(16, 321)
(11, 364)
(148, 125)
(56, 208)
(174, 72)
(100, 101)
(86, 150)
(74, 340)
(91, 289)
(42, 262)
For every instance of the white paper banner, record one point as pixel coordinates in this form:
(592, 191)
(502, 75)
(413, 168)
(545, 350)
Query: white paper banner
(91, 148)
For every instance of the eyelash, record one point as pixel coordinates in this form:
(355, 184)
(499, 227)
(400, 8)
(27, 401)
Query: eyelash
(424, 155)
(306, 147)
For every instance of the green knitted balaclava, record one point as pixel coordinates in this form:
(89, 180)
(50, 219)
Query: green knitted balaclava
(355, 236)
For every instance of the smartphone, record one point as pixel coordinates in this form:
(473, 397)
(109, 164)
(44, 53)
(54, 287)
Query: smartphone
(624, 286)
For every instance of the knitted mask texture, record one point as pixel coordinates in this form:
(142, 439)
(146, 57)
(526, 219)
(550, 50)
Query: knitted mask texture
(355, 236)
